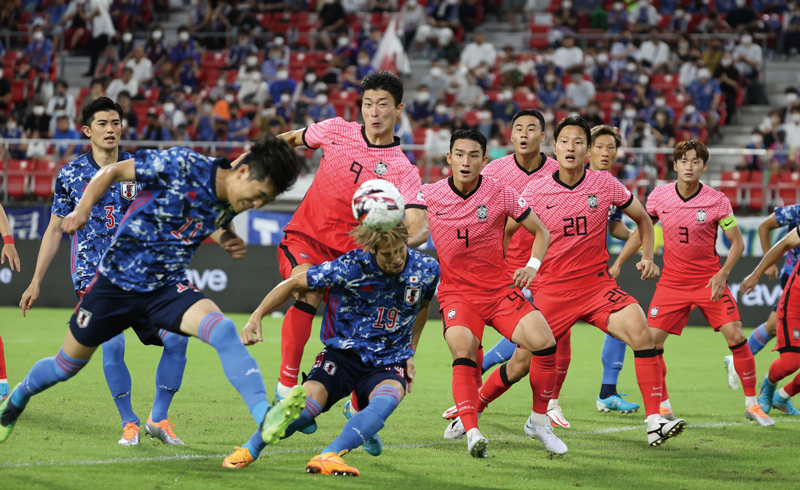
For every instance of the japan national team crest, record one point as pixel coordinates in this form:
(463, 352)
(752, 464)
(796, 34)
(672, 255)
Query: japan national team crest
(381, 169)
(128, 190)
(701, 215)
(483, 211)
(592, 199)
(653, 311)
(85, 316)
(329, 368)
(413, 293)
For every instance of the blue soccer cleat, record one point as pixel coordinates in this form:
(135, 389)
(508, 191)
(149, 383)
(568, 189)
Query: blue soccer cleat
(5, 391)
(767, 394)
(785, 405)
(616, 402)
(373, 445)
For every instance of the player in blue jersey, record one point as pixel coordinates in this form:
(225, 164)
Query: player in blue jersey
(380, 296)
(102, 125)
(789, 217)
(141, 278)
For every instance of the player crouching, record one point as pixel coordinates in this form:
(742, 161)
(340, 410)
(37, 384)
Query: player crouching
(381, 294)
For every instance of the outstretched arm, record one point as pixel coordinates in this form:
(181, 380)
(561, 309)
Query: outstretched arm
(275, 298)
(788, 242)
(102, 180)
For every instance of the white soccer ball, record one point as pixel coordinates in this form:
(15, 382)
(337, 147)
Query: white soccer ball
(378, 205)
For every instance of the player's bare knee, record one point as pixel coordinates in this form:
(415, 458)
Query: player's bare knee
(519, 365)
(316, 391)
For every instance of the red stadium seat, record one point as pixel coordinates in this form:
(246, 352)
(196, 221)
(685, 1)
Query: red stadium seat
(664, 81)
(16, 186)
(539, 36)
(526, 100)
(18, 91)
(44, 179)
(215, 59)
(605, 98)
(152, 94)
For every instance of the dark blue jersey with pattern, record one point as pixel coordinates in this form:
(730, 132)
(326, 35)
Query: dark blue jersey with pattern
(370, 311)
(176, 210)
(88, 245)
(789, 216)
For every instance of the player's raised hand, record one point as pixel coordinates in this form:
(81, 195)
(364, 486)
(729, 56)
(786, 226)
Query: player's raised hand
(750, 282)
(29, 297)
(236, 247)
(772, 272)
(524, 277)
(10, 252)
(648, 268)
(74, 221)
(253, 327)
(717, 284)
(411, 371)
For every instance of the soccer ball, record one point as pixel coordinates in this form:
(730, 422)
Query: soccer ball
(378, 205)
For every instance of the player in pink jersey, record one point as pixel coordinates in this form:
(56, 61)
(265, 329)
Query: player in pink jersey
(319, 230)
(788, 330)
(574, 205)
(468, 215)
(690, 213)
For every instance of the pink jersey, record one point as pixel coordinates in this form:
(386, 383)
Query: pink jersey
(507, 170)
(690, 232)
(577, 218)
(468, 233)
(349, 160)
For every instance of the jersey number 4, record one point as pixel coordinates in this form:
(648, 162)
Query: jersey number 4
(179, 232)
(391, 318)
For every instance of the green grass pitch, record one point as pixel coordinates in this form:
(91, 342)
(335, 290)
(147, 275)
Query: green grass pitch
(66, 439)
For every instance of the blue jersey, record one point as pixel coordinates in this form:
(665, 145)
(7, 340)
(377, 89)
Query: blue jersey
(88, 244)
(370, 311)
(176, 210)
(789, 216)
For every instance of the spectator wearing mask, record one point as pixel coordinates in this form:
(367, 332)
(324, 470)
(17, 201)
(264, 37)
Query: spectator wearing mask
(579, 92)
(239, 125)
(643, 16)
(617, 19)
(627, 120)
(204, 122)
(688, 71)
(65, 131)
(603, 75)
(662, 122)
(592, 114)
(62, 102)
(14, 131)
(713, 56)
(172, 117)
(320, 109)
(614, 117)
(238, 54)
(189, 72)
(331, 23)
(282, 83)
(436, 80)
(791, 100)
(779, 152)
(623, 50)
(691, 122)
(568, 55)
(252, 89)
(153, 130)
(469, 94)
(285, 108)
(706, 94)
(748, 57)
(478, 51)
(186, 47)
(107, 64)
(441, 114)
(420, 110)
(551, 94)
(363, 68)
(141, 65)
(274, 61)
(37, 150)
(741, 17)
(659, 104)
(654, 52)
(679, 22)
(155, 47)
(484, 77)
(642, 94)
(753, 162)
(37, 120)
(412, 16)
(504, 108)
(96, 14)
(306, 90)
(125, 45)
(124, 101)
(727, 76)
(125, 83)
(629, 77)
(441, 24)
(38, 55)
(790, 39)
(371, 42)
(792, 127)
(460, 118)
(565, 17)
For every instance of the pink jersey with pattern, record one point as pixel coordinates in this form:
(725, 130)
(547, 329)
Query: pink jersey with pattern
(690, 232)
(577, 218)
(349, 160)
(508, 170)
(468, 232)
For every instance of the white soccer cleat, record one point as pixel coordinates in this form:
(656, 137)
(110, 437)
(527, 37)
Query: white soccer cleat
(662, 429)
(130, 435)
(556, 417)
(162, 431)
(450, 413)
(733, 376)
(455, 429)
(756, 413)
(545, 435)
(477, 445)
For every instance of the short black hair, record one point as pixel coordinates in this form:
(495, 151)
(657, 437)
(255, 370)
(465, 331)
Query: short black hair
(529, 112)
(468, 134)
(62, 82)
(574, 121)
(384, 80)
(272, 158)
(100, 104)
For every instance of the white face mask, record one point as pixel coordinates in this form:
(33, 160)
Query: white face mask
(747, 39)
(38, 110)
(618, 6)
(689, 109)
(11, 125)
(508, 94)
(616, 106)
(310, 78)
(703, 74)
(229, 98)
(183, 36)
(363, 61)
(630, 113)
(756, 139)
(169, 107)
(550, 78)
(643, 80)
(549, 117)
(795, 117)
(251, 60)
(127, 37)
(207, 108)
(660, 102)
(423, 96)
(242, 42)
(285, 98)
(255, 76)
(726, 62)
(157, 35)
(436, 72)
(278, 41)
(221, 83)
(791, 98)
(321, 99)
(441, 109)
(567, 5)
(1, 73)
(342, 42)
(38, 36)
(282, 75)
(631, 67)
(602, 58)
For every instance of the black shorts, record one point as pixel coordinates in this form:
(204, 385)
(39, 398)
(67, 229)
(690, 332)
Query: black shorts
(784, 280)
(107, 310)
(342, 371)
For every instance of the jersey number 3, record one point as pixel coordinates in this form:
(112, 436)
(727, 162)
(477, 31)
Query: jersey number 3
(110, 217)
(391, 318)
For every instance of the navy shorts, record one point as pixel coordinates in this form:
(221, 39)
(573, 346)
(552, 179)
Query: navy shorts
(784, 280)
(107, 310)
(148, 336)
(342, 372)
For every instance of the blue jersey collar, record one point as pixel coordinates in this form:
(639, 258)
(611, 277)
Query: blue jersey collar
(121, 156)
(223, 163)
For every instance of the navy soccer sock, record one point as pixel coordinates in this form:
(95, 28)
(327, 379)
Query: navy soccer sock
(118, 378)
(44, 374)
(367, 422)
(169, 374)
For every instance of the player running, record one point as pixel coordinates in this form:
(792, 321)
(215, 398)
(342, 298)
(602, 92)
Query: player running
(468, 214)
(381, 293)
(141, 278)
(788, 216)
(102, 124)
(574, 205)
(319, 230)
(788, 321)
(7, 252)
(690, 213)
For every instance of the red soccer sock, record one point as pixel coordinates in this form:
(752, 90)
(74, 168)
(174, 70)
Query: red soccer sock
(745, 366)
(2, 361)
(543, 378)
(784, 366)
(479, 371)
(663, 372)
(793, 387)
(354, 401)
(294, 334)
(465, 392)
(650, 377)
(495, 385)
(563, 358)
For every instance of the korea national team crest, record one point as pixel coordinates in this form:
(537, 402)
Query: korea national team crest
(85, 316)
(413, 294)
(796, 334)
(701, 215)
(128, 190)
(451, 314)
(381, 169)
(592, 199)
(653, 311)
(483, 211)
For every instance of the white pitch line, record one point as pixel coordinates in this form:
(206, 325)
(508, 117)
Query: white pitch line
(191, 457)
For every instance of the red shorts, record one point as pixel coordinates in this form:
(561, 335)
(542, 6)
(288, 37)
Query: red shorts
(788, 327)
(593, 305)
(502, 310)
(296, 249)
(670, 307)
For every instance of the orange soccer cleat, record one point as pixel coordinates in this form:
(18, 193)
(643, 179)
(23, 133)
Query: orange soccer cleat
(330, 464)
(240, 458)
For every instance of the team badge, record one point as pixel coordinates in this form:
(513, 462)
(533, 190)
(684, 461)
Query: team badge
(329, 367)
(420, 197)
(413, 279)
(592, 199)
(701, 215)
(653, 311)
(483, 211)
(796, 334)
(400, 371)
(522, 203)
(451, 314)
(381, 169)
(611, 210)
(128, 190)
(84, 316)
(413, 293)
(185, 286)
